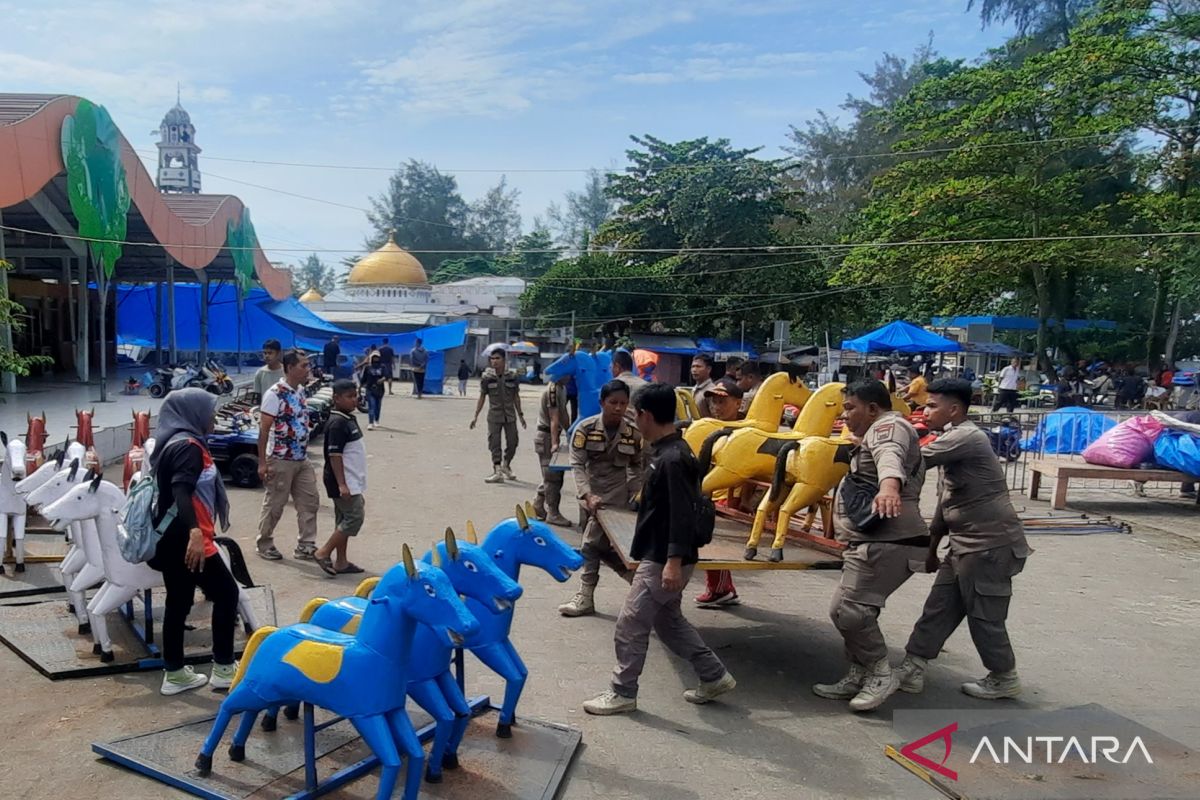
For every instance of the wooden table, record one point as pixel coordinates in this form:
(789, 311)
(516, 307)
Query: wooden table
(1063, 470)
(725, 550)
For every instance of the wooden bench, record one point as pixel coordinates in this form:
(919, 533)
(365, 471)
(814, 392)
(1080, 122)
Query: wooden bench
(1062, 471)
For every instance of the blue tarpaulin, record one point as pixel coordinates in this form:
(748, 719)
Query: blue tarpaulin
(1067, 431)
(263, 318)
(901, 337)
(727, 346)
(1178, 450)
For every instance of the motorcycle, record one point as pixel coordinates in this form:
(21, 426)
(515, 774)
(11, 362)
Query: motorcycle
(218, 380)
(168, 378)
(1006, 439)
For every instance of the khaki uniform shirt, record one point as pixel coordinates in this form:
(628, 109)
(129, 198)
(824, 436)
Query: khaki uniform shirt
(633, 382)
(890, 449)
(747, 398)
(608, 464)
(700, 395)
(554, 398)
(973, 499)
(501, 392)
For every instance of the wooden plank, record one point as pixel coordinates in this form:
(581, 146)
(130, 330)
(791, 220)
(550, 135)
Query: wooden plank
(1079, 469)
(725, 550)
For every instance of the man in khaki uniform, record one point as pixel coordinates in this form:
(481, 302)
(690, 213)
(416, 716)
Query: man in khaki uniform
(881, 554)
(553, 418)
(622, 370)
(499, 387)
(606, 459)
(987, 548)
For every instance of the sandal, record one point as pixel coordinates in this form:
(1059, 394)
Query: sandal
(350, 569)
(326, 564)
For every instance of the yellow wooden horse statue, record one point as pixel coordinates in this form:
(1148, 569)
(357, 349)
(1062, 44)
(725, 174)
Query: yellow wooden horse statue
(685, 405)
(765, 411)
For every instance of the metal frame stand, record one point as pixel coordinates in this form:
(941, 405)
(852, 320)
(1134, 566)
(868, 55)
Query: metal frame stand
(144, 632)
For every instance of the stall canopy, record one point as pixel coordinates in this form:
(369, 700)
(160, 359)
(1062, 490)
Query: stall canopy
(1022, 323)
(901, 337)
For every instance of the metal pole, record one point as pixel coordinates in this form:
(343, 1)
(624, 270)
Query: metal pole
(158, 320)
(171, 338)
(572, 329)
(8, 382)
(743, 347)
(203, 356)
(82, 348)
(69, 295)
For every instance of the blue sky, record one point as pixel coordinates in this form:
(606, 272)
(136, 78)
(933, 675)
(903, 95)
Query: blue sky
(487, 85)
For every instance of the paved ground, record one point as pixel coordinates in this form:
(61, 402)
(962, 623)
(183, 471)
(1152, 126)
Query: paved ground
(1104, 619)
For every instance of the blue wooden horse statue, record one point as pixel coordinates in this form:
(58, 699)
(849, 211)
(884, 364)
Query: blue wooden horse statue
(590, 370)
(513, 543)
(430, 682)
(352, 675)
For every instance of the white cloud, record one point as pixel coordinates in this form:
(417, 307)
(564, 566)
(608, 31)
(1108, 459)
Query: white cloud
(728, 65)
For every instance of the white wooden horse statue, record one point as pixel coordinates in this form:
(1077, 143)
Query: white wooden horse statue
(12, 505)
(102, 501)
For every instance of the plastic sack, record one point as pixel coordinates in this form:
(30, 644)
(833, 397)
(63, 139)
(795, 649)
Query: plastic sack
(1067, 431)
(1127, 445)
(1178, 451)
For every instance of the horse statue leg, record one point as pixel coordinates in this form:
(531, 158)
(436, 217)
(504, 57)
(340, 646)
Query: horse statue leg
(237, 749)
(462, 717)
(801, 496)
(428, 696)
(240, 699)
(406, 739)
(765, 507)
(496, 658)
(377, 733)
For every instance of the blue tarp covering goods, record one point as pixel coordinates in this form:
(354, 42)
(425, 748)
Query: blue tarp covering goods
(1178, 450)
(1068, 431)
(263, 318)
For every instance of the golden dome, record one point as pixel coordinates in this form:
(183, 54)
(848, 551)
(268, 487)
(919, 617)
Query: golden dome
(389, 265)
(311, 296)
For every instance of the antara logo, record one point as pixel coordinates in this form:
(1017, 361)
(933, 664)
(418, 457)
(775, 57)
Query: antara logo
(1030, 750)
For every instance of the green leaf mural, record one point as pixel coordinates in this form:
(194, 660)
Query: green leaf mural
(96, 185)
(242, 242)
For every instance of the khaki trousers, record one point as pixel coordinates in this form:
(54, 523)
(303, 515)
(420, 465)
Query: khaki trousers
(550, 489)
(298, 480)
(505, 453)
(871, 571)
(650, 607)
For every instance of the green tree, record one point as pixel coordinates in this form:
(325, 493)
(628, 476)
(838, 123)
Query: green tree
(474, 265)
(576, 221)
(12, 315)
(1045, 22)
(494, 220)
(424, 210)
(1023, 160)
(313, 273)
(532, 256)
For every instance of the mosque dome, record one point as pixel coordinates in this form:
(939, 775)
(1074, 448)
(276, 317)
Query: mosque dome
(177, 116)
(311, 296)
(390, 265)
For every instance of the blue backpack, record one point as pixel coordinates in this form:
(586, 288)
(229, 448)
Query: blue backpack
(137, 535)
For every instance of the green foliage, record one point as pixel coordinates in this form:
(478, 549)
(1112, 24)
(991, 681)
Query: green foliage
(313, 273)
(12, 315)
(96, 186)
(494, 220)
(582, 213)
(425, 210)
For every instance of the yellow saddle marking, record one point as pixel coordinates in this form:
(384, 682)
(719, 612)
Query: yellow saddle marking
(366, 587)
(319, 662)
(351, 626)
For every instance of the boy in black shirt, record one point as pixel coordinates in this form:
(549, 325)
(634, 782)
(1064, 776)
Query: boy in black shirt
(345, 478)
(664, 541)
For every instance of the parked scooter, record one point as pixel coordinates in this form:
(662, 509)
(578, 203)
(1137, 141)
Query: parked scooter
(169, 378)
(1006, 439)
(218, 379)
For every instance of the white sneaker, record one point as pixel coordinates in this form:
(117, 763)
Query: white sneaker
(709, 690)
(181, 680)
(608, 703)
(222, 676)
(850, 685)
(911, 674)
(581, 605)
(996, 686)
(880, 684)
(507, 472)
(496, 477)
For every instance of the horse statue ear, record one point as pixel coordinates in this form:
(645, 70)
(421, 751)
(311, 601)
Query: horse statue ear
(4, 438)
(74, 469)
(522, 520)
(95, 483)
(472, 536)
(409, 566)
(28, 418)
(529, 512)
(436, 557)
(451, 543)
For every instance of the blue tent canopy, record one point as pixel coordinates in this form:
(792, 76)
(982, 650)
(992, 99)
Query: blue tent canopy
(293, 315)
(726, 346)
(1023, 323)
(901, 337)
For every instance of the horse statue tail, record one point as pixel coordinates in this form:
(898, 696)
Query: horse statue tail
(251, 646)
(706, 451)
(780, 474)
(237, 561)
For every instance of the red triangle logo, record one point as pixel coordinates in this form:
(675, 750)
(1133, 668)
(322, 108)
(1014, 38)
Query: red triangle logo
(945, 735)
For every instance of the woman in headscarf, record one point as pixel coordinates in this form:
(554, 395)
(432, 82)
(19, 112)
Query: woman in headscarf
(372, 379)
(191, 494)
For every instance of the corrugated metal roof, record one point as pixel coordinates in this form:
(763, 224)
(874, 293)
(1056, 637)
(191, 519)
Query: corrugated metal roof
(16, 107)
(198, 209)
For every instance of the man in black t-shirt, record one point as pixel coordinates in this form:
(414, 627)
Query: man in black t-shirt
(387, 357)
(345, 479)
(330, 354)
(664, 542)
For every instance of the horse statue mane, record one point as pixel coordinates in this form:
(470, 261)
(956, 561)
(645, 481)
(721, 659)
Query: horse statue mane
(35, 441)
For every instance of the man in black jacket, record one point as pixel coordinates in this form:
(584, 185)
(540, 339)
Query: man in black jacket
(664, 543)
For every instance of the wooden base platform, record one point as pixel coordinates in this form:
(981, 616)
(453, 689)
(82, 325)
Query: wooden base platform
(1062, 470)
(725, 550)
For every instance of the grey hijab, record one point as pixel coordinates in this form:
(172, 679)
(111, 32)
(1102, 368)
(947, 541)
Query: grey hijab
(189, 411)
